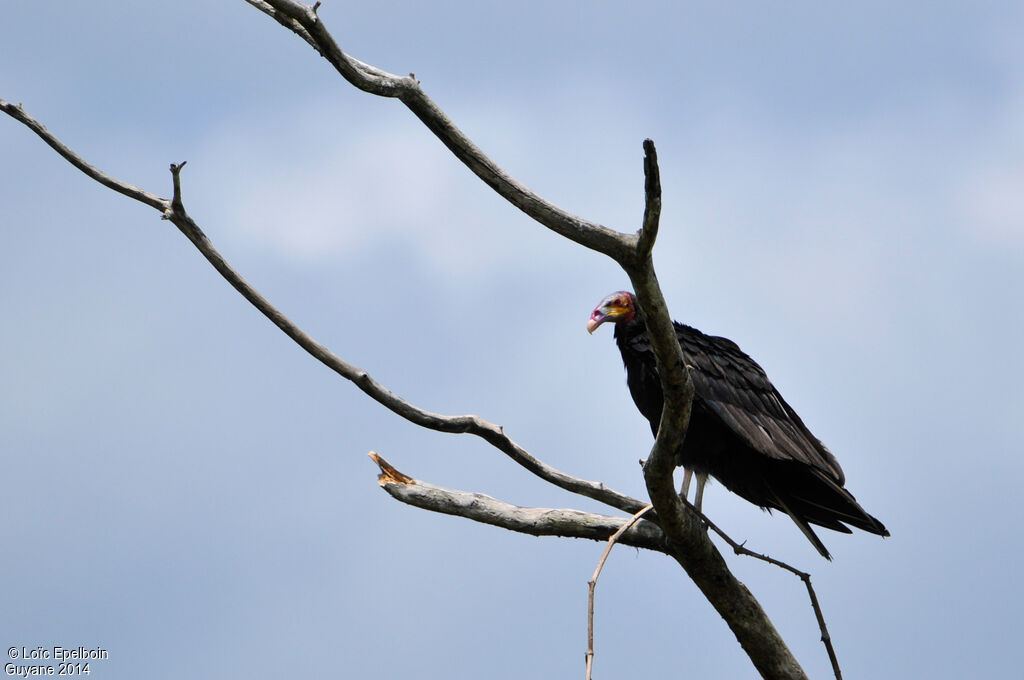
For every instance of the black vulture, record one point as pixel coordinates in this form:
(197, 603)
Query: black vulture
(741, 432)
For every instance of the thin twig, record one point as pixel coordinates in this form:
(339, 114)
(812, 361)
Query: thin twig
(18, 113)
(592, 584)
(741, 549)
(176, 204)
(826, 639)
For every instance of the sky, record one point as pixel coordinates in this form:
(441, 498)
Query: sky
(187, 489)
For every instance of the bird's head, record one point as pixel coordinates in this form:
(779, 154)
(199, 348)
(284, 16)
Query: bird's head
(618, 308)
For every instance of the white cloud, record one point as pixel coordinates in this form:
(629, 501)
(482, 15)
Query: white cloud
(993, 206)
(314, 187)
(990, 199)
(309, 186)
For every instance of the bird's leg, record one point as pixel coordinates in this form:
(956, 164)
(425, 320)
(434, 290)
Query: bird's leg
(702, 479)
(687, 474)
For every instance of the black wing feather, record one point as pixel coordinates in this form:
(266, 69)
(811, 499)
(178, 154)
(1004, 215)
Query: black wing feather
(743, 433)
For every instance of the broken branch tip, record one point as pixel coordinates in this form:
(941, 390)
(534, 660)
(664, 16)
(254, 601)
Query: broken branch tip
(388, 473)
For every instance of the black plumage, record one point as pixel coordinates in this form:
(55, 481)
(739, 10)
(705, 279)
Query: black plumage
(741, 432)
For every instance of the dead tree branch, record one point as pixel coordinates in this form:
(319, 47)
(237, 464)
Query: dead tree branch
(592, 584)
(683, 536)
(741, 549)
(304, 21)
(18, 113)
(534, 521)
(686, 538)
(690, 545)
(652, 202)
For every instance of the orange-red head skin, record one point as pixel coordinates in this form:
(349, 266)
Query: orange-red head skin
(617, 308)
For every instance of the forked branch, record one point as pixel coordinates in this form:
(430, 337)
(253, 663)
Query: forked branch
(683, 536)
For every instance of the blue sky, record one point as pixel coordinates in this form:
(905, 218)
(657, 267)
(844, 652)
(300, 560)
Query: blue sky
(187, 489)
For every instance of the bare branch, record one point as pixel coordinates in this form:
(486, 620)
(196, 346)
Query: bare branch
(683, 538)
(592, 584)
(689, 544)
(652, 202)
(370, 79)
(826, 639)
(286, 21)
(106, 180)
(176, 204)
(741, 549)
(534, 521)
(174, 210)
(365, 77)
(623, 248)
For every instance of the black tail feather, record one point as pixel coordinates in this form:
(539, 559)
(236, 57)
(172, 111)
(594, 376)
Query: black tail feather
(813, 498)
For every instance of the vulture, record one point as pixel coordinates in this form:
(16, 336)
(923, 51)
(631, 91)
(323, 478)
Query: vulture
(741, 432)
